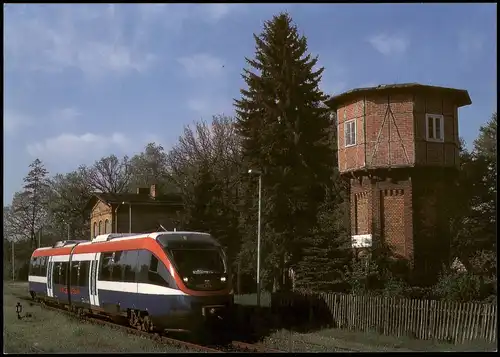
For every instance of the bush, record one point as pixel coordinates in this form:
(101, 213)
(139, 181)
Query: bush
(361, 275)
(461, 287)
(394, 286)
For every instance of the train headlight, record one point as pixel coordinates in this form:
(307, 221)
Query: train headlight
(186, 279)
(223, 279)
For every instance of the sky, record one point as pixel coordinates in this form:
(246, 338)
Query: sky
(87, 80)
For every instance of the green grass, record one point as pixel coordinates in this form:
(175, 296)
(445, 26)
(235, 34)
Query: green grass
(331, 340)
(50, 331)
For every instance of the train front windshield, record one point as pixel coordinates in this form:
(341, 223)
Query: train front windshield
(198, 261)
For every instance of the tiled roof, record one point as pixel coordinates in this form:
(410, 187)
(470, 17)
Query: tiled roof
(462, 95)
(134, 198)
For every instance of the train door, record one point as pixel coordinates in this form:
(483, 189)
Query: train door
(61, 276)
(93, 274)
(50, 266)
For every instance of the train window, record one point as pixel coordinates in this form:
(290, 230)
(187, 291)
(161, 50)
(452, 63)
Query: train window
(64, 273)
(56, 273)
(106, 266)
(143, 260)
(128, 262)
(153, 264)
(43, 266)
(38, 266)
(32, 266)
(83, 276)
(75, 267)
(154, 276)
(117, 271)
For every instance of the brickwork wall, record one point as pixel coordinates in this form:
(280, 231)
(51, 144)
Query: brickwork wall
(370, 193)
(383, 138)
(362, 213)
(393, 220)
(443, 154)
(100, 213)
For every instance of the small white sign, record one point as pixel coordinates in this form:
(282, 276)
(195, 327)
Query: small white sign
(361, 241)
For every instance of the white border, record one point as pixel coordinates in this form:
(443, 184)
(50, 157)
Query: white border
(441, 126)
(355, 133)
(37, 279)
(140, 288)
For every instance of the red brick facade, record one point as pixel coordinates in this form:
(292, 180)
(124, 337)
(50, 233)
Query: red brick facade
(398, 176)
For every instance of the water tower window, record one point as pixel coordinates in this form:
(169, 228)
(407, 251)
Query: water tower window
(434, 127)
(350, 132)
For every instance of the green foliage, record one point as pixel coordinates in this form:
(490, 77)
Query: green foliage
(473, 206)
(284, 132)
(326, 251)
(69, 195)
(28, 211)
(361, 274)
(204, 166)
(455, 286)
(150, 167)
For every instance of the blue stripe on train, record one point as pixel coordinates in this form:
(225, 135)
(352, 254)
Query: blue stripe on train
(40, 288)
(154, 304)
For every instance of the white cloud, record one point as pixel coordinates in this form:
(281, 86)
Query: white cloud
(58, 37)
(97, 39)
(217, 12)
(390, 44)
(202, 65)
(74, 149)
(65, 115)
(15, 121)
(77, 148)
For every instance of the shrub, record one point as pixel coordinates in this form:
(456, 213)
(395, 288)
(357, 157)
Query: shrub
(361, 275)
(461, 287)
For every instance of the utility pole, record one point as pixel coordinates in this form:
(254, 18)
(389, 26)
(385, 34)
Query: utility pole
(13, 265)
(130, 217)
(259, 173)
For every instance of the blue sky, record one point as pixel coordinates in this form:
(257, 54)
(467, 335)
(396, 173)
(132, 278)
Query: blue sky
(84, 81)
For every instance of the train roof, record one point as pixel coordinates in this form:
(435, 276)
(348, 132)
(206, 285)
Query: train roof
(174, 238)
(165, 238)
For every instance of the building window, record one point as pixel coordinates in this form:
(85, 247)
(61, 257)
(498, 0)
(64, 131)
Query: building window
(350, 132)
(434, 127)
(95, 229)
(107, 227)
(100, 227)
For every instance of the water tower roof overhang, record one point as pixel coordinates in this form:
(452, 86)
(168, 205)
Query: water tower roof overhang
(461, 96)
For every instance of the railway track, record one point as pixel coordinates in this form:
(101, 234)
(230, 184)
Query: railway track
(234, 346)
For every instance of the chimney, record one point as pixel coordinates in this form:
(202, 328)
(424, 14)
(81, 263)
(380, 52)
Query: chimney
(152, 191)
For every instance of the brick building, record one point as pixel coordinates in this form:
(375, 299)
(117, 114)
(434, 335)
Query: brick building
(143, 211)
(398, 147)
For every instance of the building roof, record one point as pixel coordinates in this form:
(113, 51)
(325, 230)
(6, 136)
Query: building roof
(135, 199)
(461, 95)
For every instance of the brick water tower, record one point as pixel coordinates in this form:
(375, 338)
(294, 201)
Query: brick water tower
(398, 147)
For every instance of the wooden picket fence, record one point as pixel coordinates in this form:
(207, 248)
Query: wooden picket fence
(422, 319)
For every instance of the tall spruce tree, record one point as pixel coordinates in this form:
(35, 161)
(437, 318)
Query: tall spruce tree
(284, 130)
(327, 250)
